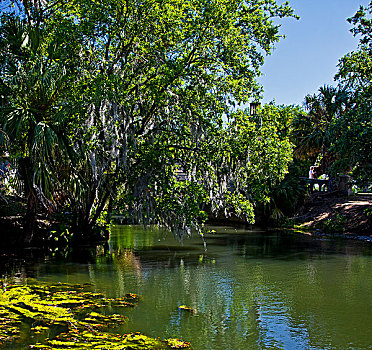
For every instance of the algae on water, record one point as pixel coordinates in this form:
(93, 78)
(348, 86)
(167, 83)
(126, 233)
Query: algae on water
(65, 316)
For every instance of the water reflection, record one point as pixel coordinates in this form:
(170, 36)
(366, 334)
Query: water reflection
(251, 289)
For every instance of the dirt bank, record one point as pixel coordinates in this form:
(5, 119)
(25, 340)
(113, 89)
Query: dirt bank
(334, 214)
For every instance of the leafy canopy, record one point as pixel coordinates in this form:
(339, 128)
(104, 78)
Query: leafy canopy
(114, 96)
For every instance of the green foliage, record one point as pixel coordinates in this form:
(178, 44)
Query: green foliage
(289, 194)
(276, 135)
(314, 133)
(335, 225)
(354, 143)
(97, 96)
(338, 128)
(253, 153)
(355, 129)
(66, 316)
(368, 213)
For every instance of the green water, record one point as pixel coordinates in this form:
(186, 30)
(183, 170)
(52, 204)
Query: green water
(251, 289)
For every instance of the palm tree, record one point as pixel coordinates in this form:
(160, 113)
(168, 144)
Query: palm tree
(313, 133)
(32, 114)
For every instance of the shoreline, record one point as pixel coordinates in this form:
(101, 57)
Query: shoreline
(333, 215)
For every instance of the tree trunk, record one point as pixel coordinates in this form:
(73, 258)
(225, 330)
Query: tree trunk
(30, 220)
(80, 226)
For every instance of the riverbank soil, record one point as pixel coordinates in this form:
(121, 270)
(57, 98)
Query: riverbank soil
(332, 213)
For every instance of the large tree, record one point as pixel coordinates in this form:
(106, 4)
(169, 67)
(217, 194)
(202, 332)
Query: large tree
(355, 74)
(143, 87)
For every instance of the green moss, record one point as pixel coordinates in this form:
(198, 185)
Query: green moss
(64, 316)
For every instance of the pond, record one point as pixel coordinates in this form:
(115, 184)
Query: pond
(249, 289)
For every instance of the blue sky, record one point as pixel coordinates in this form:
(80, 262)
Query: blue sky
(307, 58)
